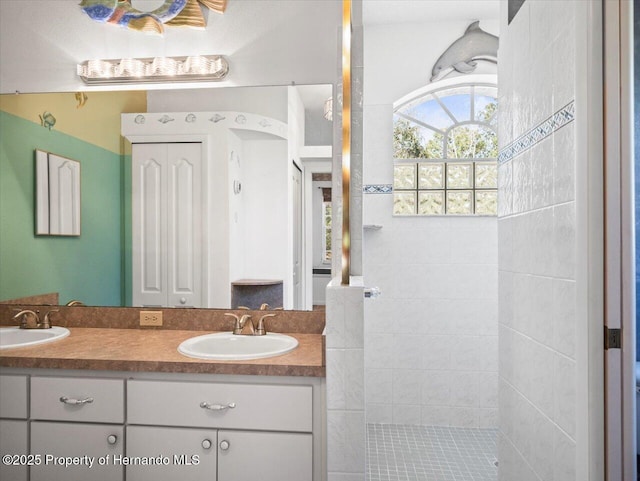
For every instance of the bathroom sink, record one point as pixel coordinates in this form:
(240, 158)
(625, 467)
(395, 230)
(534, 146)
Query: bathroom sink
(16, 337)
(225, 346)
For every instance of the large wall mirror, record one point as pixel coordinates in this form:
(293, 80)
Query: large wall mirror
(283, 67)
(264, 230)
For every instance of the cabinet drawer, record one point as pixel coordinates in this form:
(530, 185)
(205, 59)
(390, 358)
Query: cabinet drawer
(13, 397)
(85, 400)
(256, 406)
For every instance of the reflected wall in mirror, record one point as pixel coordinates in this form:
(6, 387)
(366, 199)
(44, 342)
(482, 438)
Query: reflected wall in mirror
(96, 268)
(57, 195)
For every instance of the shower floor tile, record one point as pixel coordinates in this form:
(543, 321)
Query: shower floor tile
(397, 452)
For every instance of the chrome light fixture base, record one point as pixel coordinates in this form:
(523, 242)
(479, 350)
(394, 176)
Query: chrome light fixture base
(154, 70)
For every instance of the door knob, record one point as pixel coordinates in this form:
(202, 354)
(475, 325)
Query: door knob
(112, 439)
(206, 443)
(224, 445)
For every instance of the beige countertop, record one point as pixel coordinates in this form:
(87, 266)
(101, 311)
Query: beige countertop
(146, 350)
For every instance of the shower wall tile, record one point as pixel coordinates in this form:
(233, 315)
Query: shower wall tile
(537, 243)
(378, 144)
(379, 386)
(406, 414)
(436, 416)
(564, 456)
(565, 394)
(380, 413)
(564, 317)
(345, 379)
(437, 317)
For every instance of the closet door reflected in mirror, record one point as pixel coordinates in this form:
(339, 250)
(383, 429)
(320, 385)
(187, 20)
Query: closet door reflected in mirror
(57, 195)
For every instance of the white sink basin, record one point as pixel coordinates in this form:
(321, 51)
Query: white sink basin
(16, 337)
(225, 346)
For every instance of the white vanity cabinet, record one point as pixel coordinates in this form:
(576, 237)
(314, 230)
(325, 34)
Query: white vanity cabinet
(264, 431)
(78, 418)
(167, 220)
(14, 427)
(162, 426)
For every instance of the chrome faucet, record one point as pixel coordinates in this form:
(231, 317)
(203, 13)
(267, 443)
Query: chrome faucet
(30, 320)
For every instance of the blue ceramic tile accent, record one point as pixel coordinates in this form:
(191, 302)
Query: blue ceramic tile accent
(540, 132)
(377, 189)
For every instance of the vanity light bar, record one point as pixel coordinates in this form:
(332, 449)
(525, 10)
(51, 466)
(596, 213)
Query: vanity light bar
(158, 69)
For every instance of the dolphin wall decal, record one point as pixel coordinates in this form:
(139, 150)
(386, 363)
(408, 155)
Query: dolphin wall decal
(475, 44)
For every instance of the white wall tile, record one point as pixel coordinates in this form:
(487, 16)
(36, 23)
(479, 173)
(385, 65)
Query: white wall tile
(378, 144)
(487, 417)
(378, 351)
(464, 389)
(380, 413)
(336, 376)
(436, 416)
(465, 417)
(407, 351)
(564, 456)
(435, 388)
(436, 353)
(346, 441)
(406, 414)
(564, 317)
(406, 387)
(564, 169)
(564, 238)
(354, 379)
(379, 386)
(564, 379)
(542, 185)
(505, 186)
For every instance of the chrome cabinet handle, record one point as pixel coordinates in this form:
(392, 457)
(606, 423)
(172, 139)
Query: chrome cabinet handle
(206, 443)
(72, 401)
(224, 445)
(216, 407)
(112, 439)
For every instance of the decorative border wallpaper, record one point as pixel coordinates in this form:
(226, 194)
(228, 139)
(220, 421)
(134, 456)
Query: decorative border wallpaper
(527, 140)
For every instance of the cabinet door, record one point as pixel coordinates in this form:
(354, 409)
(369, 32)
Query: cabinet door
(13, 440)
(250, 455)
(81, 442)
(166, 201)
(181, 453)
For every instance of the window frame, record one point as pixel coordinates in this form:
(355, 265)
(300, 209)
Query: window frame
(426, 95)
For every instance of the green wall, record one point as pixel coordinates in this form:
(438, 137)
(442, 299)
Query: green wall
(88, 268)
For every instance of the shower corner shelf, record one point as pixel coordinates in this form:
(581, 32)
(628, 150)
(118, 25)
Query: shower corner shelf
(372, 227)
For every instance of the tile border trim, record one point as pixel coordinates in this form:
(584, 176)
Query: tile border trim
(538, 133)
(377, 189)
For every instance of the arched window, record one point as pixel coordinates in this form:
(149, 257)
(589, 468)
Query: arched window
(445, 152)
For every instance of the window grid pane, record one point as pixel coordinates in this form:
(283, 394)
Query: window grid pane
(441, 188)
(445, 149)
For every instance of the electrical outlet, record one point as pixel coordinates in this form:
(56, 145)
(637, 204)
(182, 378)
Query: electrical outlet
(151, 318)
